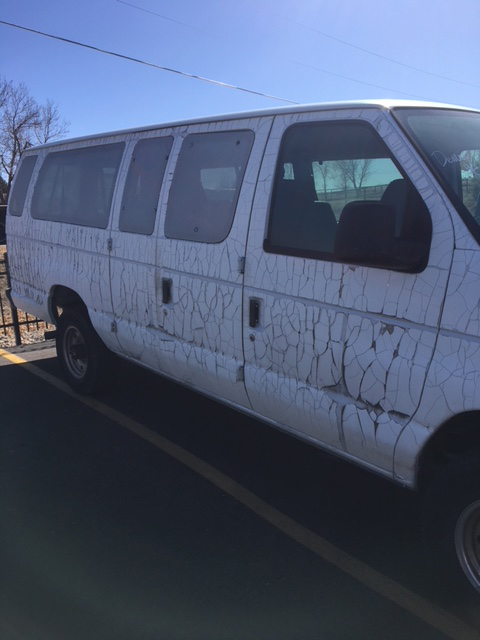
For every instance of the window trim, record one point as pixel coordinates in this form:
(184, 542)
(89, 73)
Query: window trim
(270, 248)
(34, 157)
(121, 147)
(234, 203)
(162, 183)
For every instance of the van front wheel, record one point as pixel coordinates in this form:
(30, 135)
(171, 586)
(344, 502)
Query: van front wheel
(81, 353)
(452, 521)
(467, 542)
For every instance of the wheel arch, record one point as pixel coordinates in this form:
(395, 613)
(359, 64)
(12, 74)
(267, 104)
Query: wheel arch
(63, 297)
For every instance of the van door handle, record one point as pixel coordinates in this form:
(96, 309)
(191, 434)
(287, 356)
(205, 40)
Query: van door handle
(254, 317)
(166, 290)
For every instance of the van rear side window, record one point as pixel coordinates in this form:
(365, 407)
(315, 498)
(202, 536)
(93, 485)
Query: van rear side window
(76, 186)
(19, 193)
(206, 185)
(142, 188)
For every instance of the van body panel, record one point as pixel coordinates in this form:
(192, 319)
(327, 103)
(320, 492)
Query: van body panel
(366, 362)
(452, 386)
(48, 254)
(200, 327)
(341, 353)
(133, 267)
(461, 312)
(85, 271)
(452, 381)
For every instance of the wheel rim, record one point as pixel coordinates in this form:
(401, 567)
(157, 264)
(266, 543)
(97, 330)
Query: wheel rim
(75, 351)
(467, 543)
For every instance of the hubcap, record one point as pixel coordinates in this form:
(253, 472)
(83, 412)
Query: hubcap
(75, 351)
(467, 543)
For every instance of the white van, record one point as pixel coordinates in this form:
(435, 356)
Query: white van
(317, 267)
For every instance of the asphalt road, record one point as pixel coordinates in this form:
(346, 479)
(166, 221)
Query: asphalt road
(154, 513)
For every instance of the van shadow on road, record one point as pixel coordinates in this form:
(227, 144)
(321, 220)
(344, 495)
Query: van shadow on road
(107, 537)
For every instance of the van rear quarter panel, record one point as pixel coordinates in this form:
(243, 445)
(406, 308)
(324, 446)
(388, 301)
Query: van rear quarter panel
(44, 254)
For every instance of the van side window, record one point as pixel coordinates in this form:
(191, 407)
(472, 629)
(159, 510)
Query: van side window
(143, 184)
(206, 185)
(338, 195)
(76, 186)
(20, 188)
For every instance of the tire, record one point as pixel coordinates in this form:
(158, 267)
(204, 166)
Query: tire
(451, 523)
(81, 353)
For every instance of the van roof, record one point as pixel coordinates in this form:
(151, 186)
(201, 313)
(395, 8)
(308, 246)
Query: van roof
(243, 115)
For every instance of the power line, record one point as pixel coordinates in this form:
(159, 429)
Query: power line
(325, 35)
(159, 15)
(364, 50)
(277, 57)
(148, 64)
(368, 84)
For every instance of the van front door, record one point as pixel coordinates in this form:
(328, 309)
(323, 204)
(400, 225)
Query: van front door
(343, 283)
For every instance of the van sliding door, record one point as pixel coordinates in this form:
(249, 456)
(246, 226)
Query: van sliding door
(201, 255)
(133, 250)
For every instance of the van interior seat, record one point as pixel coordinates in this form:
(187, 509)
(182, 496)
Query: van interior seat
(396, 195)
(355, 240)
(300, 221)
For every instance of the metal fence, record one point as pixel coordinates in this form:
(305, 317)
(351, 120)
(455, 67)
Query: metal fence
(3, 213)
(13, 322)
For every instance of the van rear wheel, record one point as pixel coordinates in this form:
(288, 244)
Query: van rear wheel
(81, 353)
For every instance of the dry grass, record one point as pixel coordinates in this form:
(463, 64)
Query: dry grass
(31, 333)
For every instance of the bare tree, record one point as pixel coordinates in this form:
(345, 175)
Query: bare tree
(324, 170)
(3, 191)
(4, 91)
(51, 126)
(353, 171)
(20, 116)
(23, 122)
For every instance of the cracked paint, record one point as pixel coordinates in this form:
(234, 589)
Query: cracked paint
(366, 336)
(366, 362)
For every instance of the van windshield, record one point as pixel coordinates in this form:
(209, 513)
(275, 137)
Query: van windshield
(450, 142)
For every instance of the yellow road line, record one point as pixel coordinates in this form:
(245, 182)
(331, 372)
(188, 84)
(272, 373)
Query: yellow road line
(11, 357)
(423, 609)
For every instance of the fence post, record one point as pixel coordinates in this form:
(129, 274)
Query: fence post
(16, 325)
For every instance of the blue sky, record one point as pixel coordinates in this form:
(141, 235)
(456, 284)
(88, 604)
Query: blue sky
(269, 46)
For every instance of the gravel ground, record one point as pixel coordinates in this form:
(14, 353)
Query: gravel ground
(28, 337)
